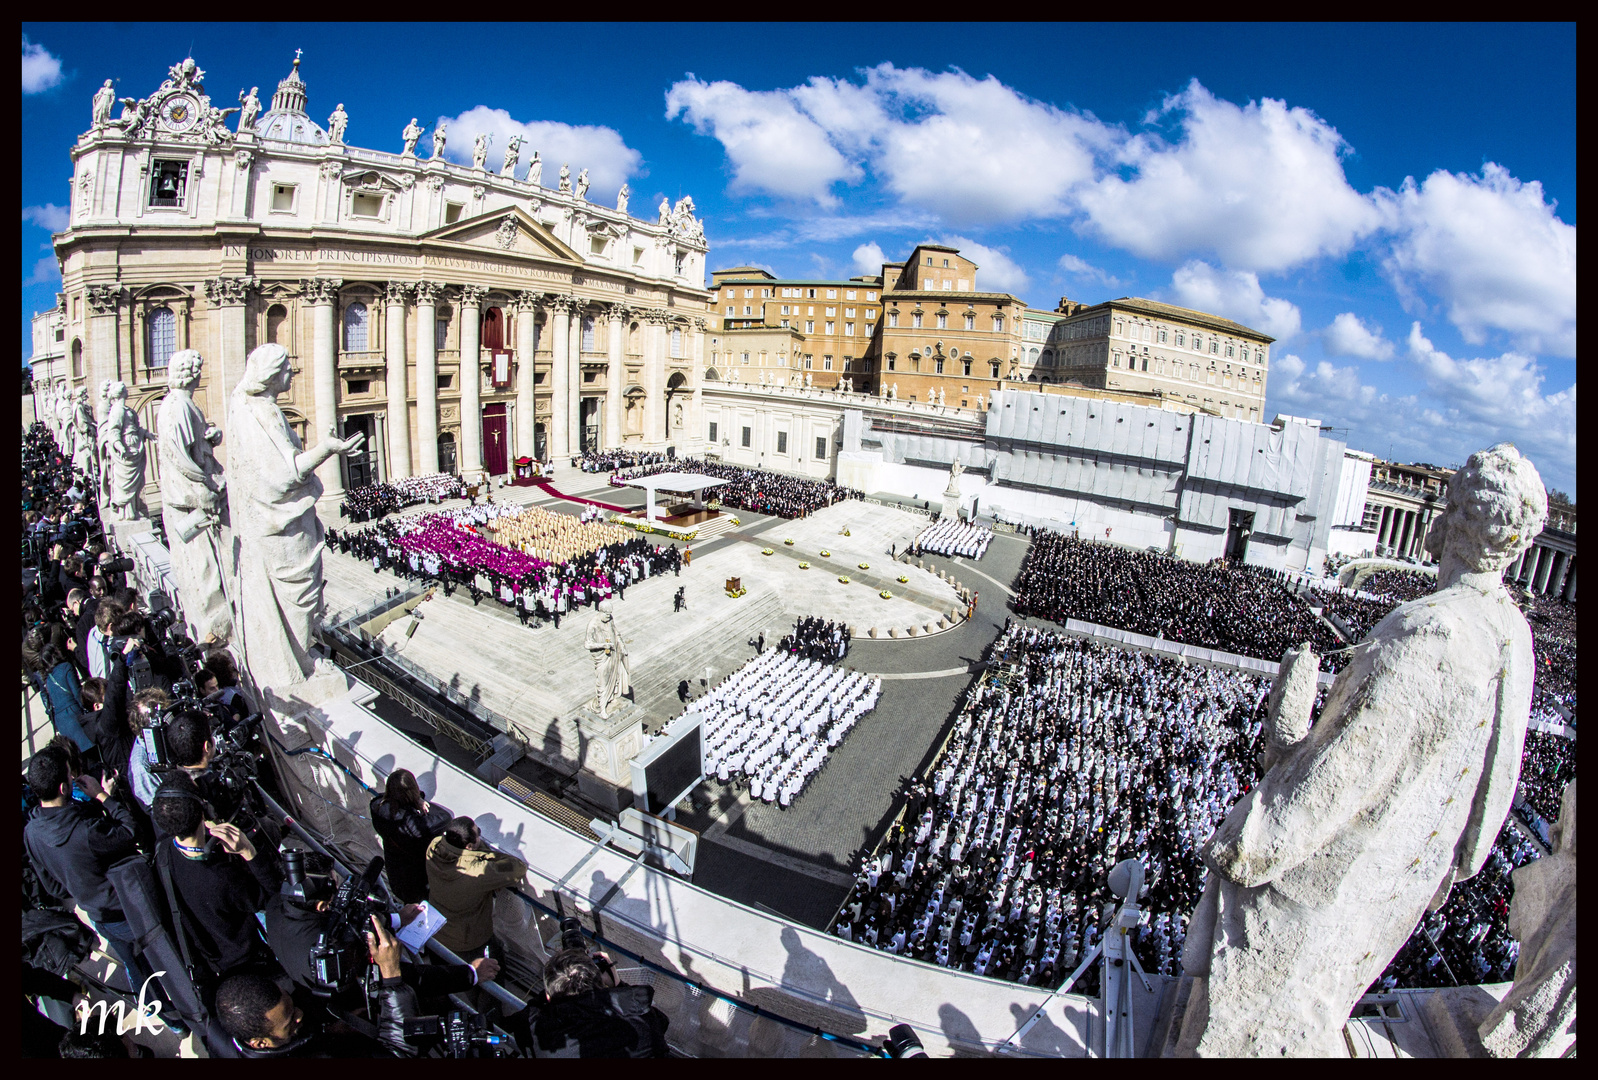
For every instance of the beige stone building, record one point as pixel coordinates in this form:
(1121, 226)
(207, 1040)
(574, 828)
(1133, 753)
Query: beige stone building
(828, 327)
(460, 317)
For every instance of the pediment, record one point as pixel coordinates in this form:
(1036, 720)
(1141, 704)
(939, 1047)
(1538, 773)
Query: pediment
(508, 231)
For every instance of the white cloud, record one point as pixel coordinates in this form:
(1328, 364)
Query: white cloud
(40, 70)
(772, 145)
(1494, 251)
(1261, 187)
(49, 216)
(1500, 394)
(45, 270)
(973, 150)
(1348, 336)
(996, 271)
(1077, 266)
(1324, 384)
(600, 150)
(868, 258)
(1235, 294)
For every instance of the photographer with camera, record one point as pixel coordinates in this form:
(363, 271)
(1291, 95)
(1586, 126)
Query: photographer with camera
(216, 882)
(72, 844)
(586, 1012)
(317, 932)
(105, 711)
(264, 1022)
(407, 824)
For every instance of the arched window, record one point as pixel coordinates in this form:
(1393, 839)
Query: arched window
(676, 342)
(588, 333)
(77, 358)
(355, 324)
(277, 326)
(441, 329)
(163, 336)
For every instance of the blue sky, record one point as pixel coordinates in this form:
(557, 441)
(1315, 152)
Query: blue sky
(1396, 204)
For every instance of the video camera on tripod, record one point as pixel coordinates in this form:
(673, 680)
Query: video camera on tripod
(461, 1034)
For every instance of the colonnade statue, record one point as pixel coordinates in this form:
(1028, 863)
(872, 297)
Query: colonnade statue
(1320, 873)
(611, 678)
(83, 429)
(125, 460)
(272, 493)
(193, 501)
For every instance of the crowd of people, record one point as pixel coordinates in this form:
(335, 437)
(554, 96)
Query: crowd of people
(774, 721)
(560, 563)
(1553, 637)
(373, 501)
(953, 538)
(817, 639)
(1401, 586)
(1237, 609)
(751, 489)
(1358, 614)
(1547, 764)
(612, 460)
(1071, 756)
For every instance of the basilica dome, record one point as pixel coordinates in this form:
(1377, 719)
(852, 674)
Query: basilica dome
(287, 120)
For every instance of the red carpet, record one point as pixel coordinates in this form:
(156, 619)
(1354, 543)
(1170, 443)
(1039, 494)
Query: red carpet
(548, 488)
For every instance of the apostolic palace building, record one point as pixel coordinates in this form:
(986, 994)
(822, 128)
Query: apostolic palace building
(378, 272)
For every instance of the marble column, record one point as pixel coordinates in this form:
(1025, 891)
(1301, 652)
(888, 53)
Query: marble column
(654, 378)
(574, 379)
(471, 376)
(1545, 563)
(559, 308)
(526, 307)
(1512, 571)
(694, 426)
(101, 360)
(1556, 576)
(322, 295)
(228, 296)
(615, 373)
(1570, 583)
(427, 294)
(1381, 527)
(395, 379)
(1407, 547)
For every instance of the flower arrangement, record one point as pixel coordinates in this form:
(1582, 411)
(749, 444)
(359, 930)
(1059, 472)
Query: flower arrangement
(844, 579)
(788, 542)
(804, 566)
(736, 520)
(765, 551)
(865, 566)
(826, 554)
(885, 594)
(903, 580)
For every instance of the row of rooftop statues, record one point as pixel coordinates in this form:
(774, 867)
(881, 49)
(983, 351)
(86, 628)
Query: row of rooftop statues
(1317, 875)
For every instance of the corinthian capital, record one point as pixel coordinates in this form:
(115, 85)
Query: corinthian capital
(618, 312)
(527, 301)
(472, 295)
(396, 292)
(229, 291)
(429, 292)
(565, 305)
(320, 290)
(103, 299)
(656, 317)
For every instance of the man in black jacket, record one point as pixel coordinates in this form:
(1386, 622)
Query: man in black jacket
(265, 1023)
(73, 844)
(218, 886)
(588, 1015)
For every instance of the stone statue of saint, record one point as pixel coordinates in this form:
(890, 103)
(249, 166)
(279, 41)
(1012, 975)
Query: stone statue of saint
(193, 501)
(940, 397)
(955, 469)
(665, 212)
(621, 198)
(83, 431)
(1537, 1018)
(125, 438)
(893, 392)
(582, 184)
(272, 493)
(1320, 873)
(513, 152)
(251, 108)
(64, 410)
(677, 415)
(440, 137)
(565, 178)
(535, 170)
(336, 125)
(612, 680)
(480, 151)
(133, 111)
(104, 98)
(411, 134)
